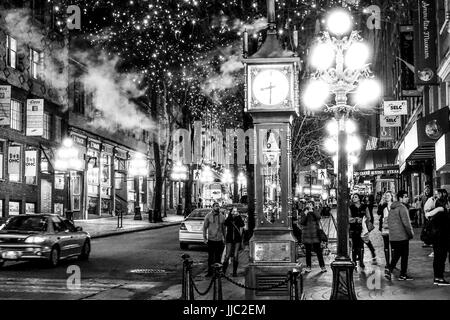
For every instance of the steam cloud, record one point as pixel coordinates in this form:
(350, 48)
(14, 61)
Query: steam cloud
(111, 90)
(112, 93)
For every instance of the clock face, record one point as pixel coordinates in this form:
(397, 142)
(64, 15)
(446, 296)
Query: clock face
(270, 87)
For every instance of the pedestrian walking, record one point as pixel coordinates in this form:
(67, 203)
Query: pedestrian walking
(383, 212)
(233, 241)
(214, 236)
(440, 220)
(357, 212)
(400, 232)
(309, 220)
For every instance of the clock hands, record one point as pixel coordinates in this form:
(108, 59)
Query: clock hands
(270, 87)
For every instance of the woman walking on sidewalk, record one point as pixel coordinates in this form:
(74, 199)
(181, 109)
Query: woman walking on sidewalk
(235, 227)
(383, 212)
(357, 212)
(440, 219)
(310, 235)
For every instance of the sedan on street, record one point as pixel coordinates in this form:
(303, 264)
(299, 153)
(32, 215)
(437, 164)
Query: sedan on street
(46, 237)
(191, 229)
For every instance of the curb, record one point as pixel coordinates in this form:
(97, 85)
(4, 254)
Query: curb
(120, 232)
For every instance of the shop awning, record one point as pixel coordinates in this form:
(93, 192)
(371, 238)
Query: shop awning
(377, 160)
(419, 143)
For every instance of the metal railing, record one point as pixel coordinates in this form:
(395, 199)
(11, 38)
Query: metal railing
(293, 278)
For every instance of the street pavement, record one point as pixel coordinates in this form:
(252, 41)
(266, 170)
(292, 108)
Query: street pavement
(130, 266)
(147, 265)
(370, 283)
(109, 226)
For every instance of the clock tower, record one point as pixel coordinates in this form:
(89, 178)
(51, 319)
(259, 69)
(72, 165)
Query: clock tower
(272, 99)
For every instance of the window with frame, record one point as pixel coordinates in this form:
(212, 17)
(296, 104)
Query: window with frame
(17, 115)
(37, 64)
(47, 126)
(11, 51)
(78, 97)
(15, 163)
(118, 180)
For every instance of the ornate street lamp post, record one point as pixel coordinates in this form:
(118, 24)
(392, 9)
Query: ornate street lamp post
(341, 69)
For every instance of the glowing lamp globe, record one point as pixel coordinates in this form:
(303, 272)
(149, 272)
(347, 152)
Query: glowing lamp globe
(330, 146)
(339, 22)
(316, 94)
(357, 55)
(322, 56)
(369, 91)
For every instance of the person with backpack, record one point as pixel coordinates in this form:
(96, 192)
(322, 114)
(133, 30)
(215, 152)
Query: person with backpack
(234, 230)
(400, 233)
(309, 219)
(440, 221)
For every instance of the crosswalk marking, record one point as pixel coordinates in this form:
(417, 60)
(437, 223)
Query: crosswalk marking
(59, 286)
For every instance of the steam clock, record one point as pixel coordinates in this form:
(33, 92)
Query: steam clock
(272, 99)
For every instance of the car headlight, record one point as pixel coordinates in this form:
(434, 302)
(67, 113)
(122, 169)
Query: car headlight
(34, 239)
(183, 227)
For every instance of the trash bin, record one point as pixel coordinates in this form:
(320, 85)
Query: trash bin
(137, 213)
(150, 215)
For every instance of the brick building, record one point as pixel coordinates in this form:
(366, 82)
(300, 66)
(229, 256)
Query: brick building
(33, 69)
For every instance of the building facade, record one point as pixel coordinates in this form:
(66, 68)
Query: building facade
(33, 98)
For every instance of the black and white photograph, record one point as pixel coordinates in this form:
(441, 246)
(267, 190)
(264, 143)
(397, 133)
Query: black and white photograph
(226, 155)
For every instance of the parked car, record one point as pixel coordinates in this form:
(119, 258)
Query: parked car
(191, 229)
(46, 237)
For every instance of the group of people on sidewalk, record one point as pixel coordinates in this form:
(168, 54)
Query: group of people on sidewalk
(396, 230)
(395, 225)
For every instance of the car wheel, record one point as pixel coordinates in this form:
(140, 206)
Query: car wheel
(54, 257)
(85, 251)
(184, 246)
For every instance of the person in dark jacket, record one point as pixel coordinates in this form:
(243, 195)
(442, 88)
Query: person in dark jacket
(400, 232)
(234, 229)
(440, 218)
(309, 219)
(357, 212)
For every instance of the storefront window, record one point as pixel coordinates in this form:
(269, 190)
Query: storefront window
(15, 163)
(59, 209)
(118, 180)
(31, 166)
(30, 208)
(14, 208)
(271, 170)
(106, 170)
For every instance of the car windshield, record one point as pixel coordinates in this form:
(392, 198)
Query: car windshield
(26, 223)
(199, 213)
